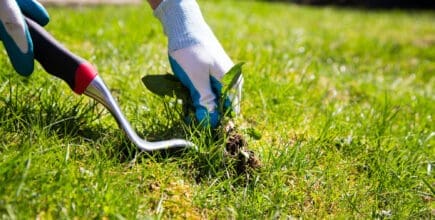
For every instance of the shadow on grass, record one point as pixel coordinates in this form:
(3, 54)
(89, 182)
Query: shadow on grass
(36, 110)
(27, 111)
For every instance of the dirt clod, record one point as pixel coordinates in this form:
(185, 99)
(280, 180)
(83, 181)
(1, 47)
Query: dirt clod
(253, 161)
(236, 148)
(235, 144)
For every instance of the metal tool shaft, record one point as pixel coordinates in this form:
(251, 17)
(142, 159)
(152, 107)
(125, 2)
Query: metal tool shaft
(98, 91)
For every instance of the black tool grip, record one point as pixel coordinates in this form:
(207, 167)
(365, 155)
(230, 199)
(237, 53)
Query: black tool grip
(58, 60)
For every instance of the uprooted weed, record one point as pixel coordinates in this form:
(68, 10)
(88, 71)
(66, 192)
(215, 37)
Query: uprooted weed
(224, 146)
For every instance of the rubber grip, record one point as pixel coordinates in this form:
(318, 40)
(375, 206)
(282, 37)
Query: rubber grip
(59, 61)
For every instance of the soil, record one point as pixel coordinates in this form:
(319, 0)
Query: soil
(236, 148)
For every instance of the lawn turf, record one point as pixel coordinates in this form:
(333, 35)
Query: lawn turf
(338, 104)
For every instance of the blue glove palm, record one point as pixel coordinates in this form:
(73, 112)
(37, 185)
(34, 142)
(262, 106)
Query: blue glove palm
(14, 32)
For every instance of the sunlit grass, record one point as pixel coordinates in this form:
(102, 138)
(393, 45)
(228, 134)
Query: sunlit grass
(343, 101)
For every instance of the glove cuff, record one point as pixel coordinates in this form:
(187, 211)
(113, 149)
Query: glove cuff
(183, 23)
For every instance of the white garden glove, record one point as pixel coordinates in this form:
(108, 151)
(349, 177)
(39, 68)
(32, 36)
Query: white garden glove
(14, 32)
(196, 57)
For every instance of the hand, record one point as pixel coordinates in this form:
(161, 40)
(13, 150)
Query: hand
(201, 68)
(14, 32)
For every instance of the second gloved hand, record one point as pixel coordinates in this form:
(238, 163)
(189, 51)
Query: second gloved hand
(14, 32)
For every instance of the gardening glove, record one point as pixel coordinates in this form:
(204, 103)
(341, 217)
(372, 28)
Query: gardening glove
(14, 32)
(196, 57)
(201, 68)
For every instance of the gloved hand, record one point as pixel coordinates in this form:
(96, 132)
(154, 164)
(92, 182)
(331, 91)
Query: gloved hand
(201, 68)
(196, 57)
(14, 32)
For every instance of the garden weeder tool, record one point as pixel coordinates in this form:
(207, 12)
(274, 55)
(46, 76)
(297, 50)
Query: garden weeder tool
(83, 79)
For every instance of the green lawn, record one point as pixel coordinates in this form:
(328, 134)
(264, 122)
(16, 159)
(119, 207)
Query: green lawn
(343, 99)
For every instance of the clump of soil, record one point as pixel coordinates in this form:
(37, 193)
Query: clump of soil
(235, 143)
(236, 148)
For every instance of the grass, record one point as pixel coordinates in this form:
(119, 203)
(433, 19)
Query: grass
(338, 104)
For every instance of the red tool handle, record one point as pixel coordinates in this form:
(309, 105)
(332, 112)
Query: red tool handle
(59, 61)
